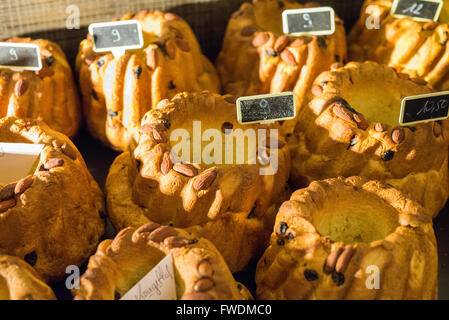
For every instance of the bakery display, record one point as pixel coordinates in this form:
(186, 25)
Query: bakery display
(330, 237)
(19, 281)
(53, 217)
(198, 203)
(48, 94)
(118, 91)
(416, 48)
(350, 127)
(257, 57)
(229, 203)
(199, 269)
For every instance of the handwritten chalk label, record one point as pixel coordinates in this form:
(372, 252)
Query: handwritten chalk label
(311, 21)
(17, 160)
(158, 284)
(266, 108)
(419, 10)
(117, 36)
(424, 108)
(20, 56)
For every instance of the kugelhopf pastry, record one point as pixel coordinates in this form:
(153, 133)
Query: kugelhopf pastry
(419, 49)
(444, 15)
(200, 271)
(350, 239)
(53, 217)
(117, 92)
(48, 94)
(258, 58)
(230, 201)
(351, 127)
(19, 281)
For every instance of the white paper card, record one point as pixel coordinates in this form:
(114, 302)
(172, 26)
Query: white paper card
(17, 160)
(158, 284)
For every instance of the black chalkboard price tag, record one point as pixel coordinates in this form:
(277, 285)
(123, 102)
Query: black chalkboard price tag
(424, 108)
(310, 21)
(20, 56)
(419, 10)
(117, 36)
(266, 108)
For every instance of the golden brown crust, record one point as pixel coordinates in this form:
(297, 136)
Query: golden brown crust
(420, 49)
(117, 92)
(19, 281)
(200, 271)
(332, 139)
(444, 16)
(305, 263)
(49, 94)
(257, 58)
(231, 205)
(55, 217)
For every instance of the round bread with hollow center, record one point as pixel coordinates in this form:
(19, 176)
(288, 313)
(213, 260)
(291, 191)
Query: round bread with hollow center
(196, 167)
(420, 49)
(351, 127)
(48, 94)
(350, 239)
(54, 216)
(19, 281)
(200, 273)
(118, 91)
(257, 57)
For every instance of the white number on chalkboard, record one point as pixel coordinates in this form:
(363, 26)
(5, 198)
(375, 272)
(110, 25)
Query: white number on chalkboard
(116, 34)
(414, 9)
(306, 17)
(431, 106)
(13, 54)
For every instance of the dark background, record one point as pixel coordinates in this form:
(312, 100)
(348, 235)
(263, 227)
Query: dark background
(208, 20)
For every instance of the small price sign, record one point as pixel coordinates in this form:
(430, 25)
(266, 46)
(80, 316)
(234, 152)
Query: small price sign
(117, 36)
(266, 108)
(424, 108)
(419, 10)
(310, 21)
(20, 56)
